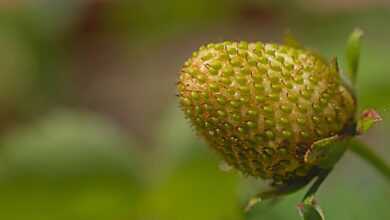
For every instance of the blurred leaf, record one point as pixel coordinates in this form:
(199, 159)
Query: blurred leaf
(29, 60)
(68, 166)
(176, 136)
(153, 20)
(353, 53)
(19, 66)
(47, 18)
(176, 143)
(185, 179)
(195, 190)
(68, 143)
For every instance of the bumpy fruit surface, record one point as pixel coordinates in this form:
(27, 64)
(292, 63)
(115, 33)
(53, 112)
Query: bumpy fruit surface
(261, 106)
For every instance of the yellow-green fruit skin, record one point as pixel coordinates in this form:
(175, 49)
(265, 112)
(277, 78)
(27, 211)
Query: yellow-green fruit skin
(261, 106)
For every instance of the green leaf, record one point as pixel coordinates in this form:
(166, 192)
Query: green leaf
(353, 53)
(309, 210)
(345, 78)
(326, 152)
(368, 118)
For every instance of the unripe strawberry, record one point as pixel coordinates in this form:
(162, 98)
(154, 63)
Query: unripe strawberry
(261, 106)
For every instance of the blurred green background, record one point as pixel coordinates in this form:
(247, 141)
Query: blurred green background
(90, 126)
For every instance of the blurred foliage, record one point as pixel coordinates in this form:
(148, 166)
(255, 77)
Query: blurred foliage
(148, 20)
(63, 159)
(66, 166)
(30, 56)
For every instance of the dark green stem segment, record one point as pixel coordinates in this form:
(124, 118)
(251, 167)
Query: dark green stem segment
(316, 185)
(368, 155)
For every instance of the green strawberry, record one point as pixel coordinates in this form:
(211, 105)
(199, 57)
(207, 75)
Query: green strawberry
(262, 106)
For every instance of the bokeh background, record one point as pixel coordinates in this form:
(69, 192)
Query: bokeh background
(90, 126)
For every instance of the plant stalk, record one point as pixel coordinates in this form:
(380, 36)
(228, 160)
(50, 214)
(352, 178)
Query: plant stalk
(316, 185)
(371, 157)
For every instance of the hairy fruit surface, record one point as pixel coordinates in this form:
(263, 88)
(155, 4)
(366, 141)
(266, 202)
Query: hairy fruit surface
(261, 106)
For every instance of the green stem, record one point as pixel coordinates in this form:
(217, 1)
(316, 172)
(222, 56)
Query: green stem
(316, 185)
(368, 155)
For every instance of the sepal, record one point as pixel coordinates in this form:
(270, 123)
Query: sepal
(367, 120)
(353, 53)
(310, 210)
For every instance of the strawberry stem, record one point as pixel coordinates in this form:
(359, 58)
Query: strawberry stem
(371, 157)
(316, 185)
